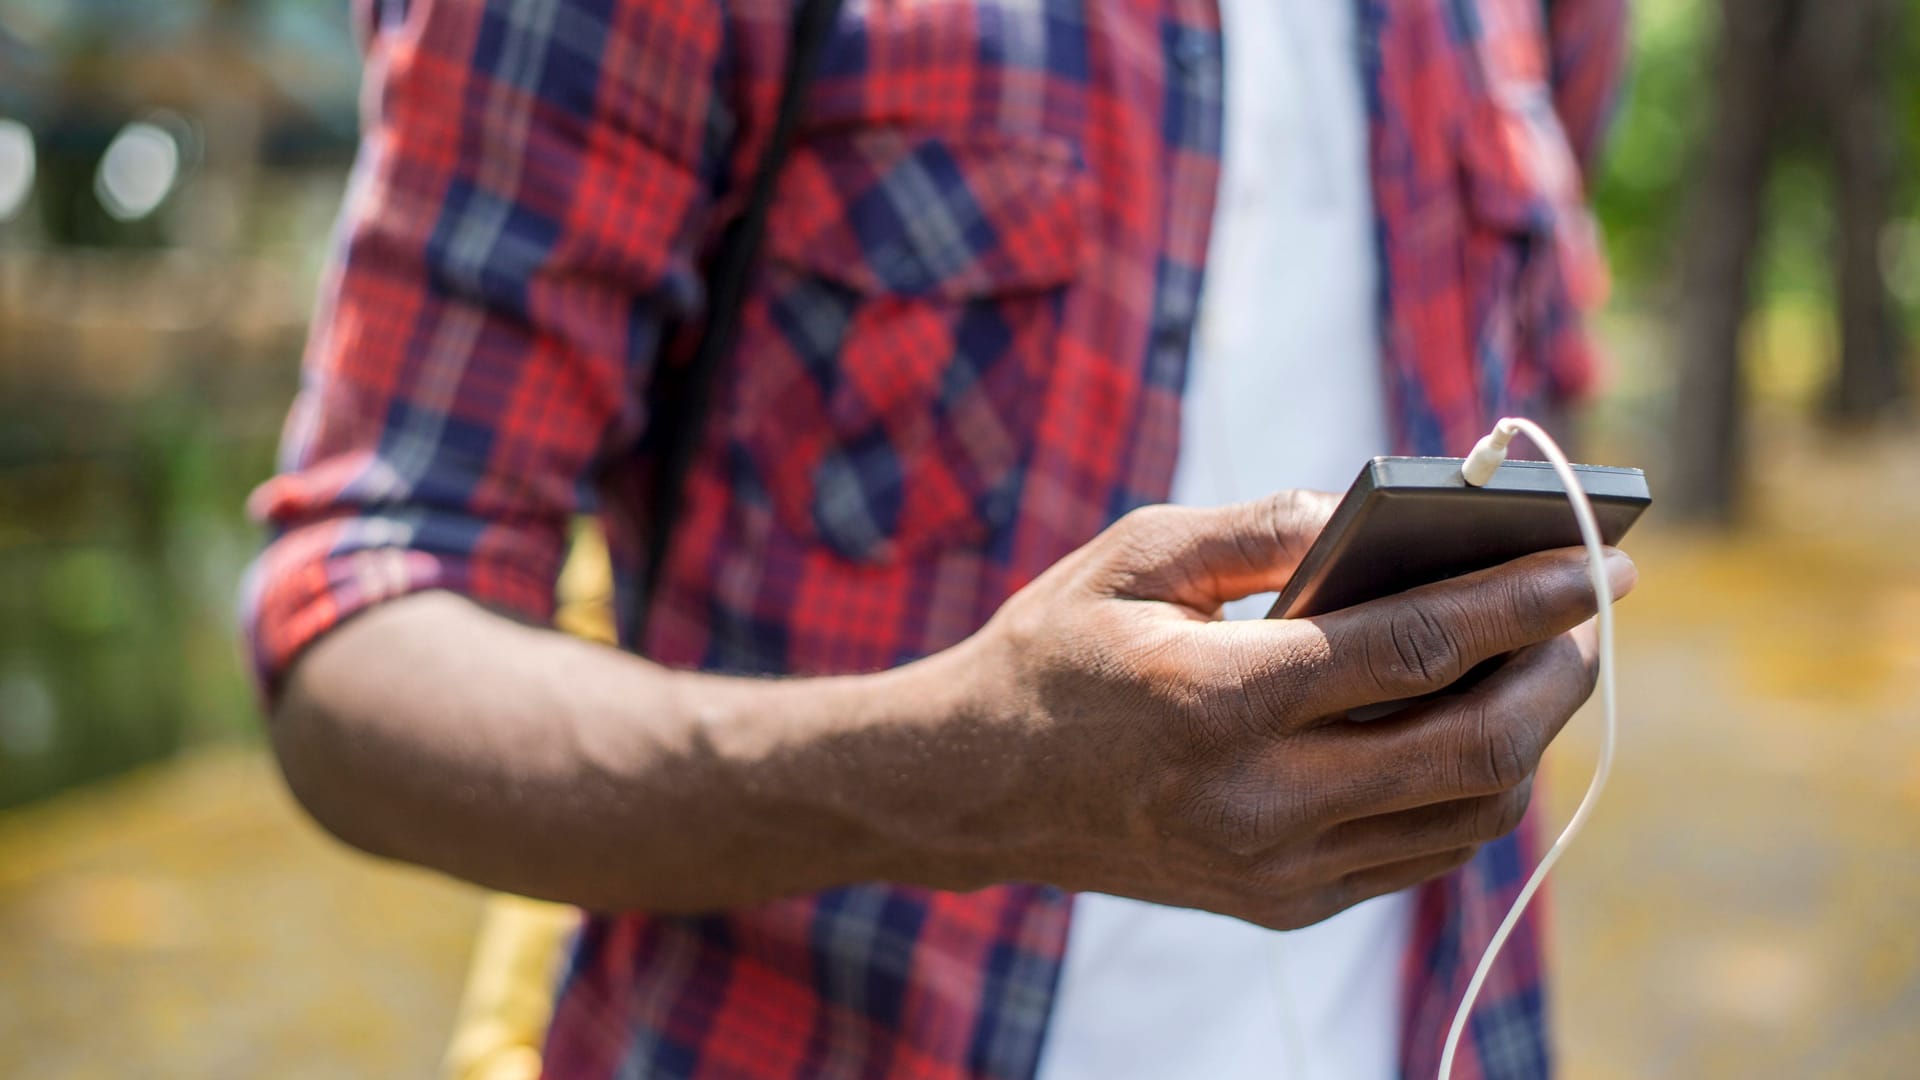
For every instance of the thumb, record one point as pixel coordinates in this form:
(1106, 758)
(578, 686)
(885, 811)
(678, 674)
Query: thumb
(1202, 558)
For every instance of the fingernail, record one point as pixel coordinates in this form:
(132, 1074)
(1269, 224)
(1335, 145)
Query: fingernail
(1621, 573)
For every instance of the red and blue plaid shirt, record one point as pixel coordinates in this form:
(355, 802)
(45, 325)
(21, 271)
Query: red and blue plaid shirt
(961, 358)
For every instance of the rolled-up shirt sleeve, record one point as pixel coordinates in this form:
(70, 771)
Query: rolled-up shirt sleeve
(517, 232)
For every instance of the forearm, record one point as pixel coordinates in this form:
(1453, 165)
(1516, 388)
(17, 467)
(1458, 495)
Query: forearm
(1103, 732)
(434, 732)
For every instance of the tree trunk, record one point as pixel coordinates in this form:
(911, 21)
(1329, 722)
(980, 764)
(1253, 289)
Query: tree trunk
(1721, 235)
(1856, 121)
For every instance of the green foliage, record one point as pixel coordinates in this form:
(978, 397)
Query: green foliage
(1641, 189)
(116, 586)
(1644, 188)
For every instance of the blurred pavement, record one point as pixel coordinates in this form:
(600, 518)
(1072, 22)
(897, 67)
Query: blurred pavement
(185, 921)
(1747, 900)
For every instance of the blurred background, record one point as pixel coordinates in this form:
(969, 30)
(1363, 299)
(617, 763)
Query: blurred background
(1743, 906)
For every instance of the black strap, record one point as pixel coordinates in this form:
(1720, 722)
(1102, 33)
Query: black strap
(682, 392)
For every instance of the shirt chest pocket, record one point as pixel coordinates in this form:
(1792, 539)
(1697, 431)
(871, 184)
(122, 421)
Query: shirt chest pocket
(894, 365)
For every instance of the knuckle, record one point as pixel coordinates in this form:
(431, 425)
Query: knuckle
(1248, 549)
(1485, 819)
(1560, 588)
(1242, 832)
(1278, 875)
(1140, 551)
(1286, 515)
(1530, 600)
(1363, 885)
(1134, 552)
(1496, 816)
(1425, 647)
(1146, 524)
(1266, 686)
(1233, 817)
(1506, 752)
(1505, 764)
(1026, 625)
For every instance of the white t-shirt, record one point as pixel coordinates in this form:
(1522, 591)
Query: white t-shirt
(1285, 390)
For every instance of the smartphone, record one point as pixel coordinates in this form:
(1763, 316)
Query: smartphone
(1410, 521)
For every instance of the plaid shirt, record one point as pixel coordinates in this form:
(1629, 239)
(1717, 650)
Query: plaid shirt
(961, 359)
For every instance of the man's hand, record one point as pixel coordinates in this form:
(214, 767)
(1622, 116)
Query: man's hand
(1210, 764)
(1104, 731)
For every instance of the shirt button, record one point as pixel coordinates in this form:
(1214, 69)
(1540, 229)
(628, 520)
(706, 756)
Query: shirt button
(1193, 52)
(1174, 333)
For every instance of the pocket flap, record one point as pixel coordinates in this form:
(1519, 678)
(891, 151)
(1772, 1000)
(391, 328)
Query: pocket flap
(890, 211)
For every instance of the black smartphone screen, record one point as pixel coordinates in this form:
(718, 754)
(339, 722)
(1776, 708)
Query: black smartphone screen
(1410, 521)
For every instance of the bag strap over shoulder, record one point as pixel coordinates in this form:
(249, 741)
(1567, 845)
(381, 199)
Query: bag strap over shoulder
(683, 393)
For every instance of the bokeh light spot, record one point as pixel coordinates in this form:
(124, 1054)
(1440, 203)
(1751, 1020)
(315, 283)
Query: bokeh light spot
(16, 166)
(137, 171)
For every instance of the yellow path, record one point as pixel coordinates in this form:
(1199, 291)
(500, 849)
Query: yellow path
(185, 922)
(1747, 902)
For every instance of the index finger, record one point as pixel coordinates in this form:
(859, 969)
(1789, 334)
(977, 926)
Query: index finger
(1203, 557)
(1422, 640)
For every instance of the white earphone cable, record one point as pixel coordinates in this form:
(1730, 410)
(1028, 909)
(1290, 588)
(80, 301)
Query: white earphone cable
(1478, 468)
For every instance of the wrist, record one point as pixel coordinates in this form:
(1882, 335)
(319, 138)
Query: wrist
(919, 774)
(981, 802)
